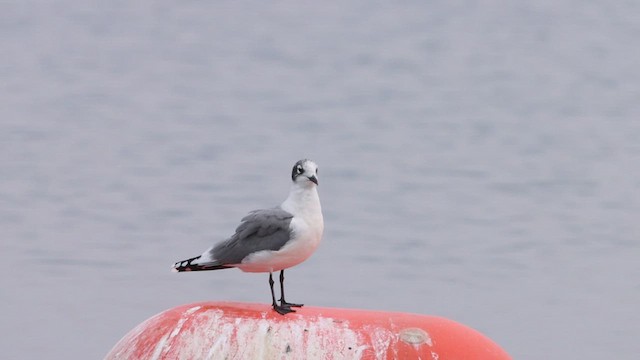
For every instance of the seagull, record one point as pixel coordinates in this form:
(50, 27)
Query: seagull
(271, 240)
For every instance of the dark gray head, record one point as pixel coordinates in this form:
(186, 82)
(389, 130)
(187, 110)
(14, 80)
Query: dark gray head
(305, 171)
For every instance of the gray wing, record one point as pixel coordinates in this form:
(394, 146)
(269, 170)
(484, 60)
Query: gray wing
(266, 229)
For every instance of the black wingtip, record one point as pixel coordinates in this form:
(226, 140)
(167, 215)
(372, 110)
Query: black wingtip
(188, 265)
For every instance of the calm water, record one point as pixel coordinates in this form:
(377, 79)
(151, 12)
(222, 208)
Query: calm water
(478, 161)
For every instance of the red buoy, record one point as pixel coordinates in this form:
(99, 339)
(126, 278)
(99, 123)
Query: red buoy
(226, 330)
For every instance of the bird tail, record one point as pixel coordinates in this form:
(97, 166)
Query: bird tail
(189, 265)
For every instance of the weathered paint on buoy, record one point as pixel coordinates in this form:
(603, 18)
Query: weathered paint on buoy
(222, 330)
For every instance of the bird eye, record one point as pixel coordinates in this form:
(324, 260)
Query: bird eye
(316, 171)
(300, 169)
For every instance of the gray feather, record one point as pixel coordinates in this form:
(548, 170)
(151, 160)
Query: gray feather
(266, 229)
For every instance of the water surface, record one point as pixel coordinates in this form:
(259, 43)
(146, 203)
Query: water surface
(477, 161)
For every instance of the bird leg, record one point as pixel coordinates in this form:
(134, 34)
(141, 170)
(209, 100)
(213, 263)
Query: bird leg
(283, 302)
(282, 310)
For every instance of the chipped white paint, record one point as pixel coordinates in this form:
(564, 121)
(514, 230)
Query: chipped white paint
(218, 347)
(164, 345)
(182, 320)
(219, 337)
(159, 348)
(381, 338)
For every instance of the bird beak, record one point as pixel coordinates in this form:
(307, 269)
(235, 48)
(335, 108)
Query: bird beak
(314, 179)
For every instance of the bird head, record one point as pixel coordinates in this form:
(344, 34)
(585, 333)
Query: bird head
(305, 172)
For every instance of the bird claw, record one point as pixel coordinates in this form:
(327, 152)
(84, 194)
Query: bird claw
(289, 305)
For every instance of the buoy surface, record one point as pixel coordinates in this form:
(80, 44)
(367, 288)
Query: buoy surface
(225, 330)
